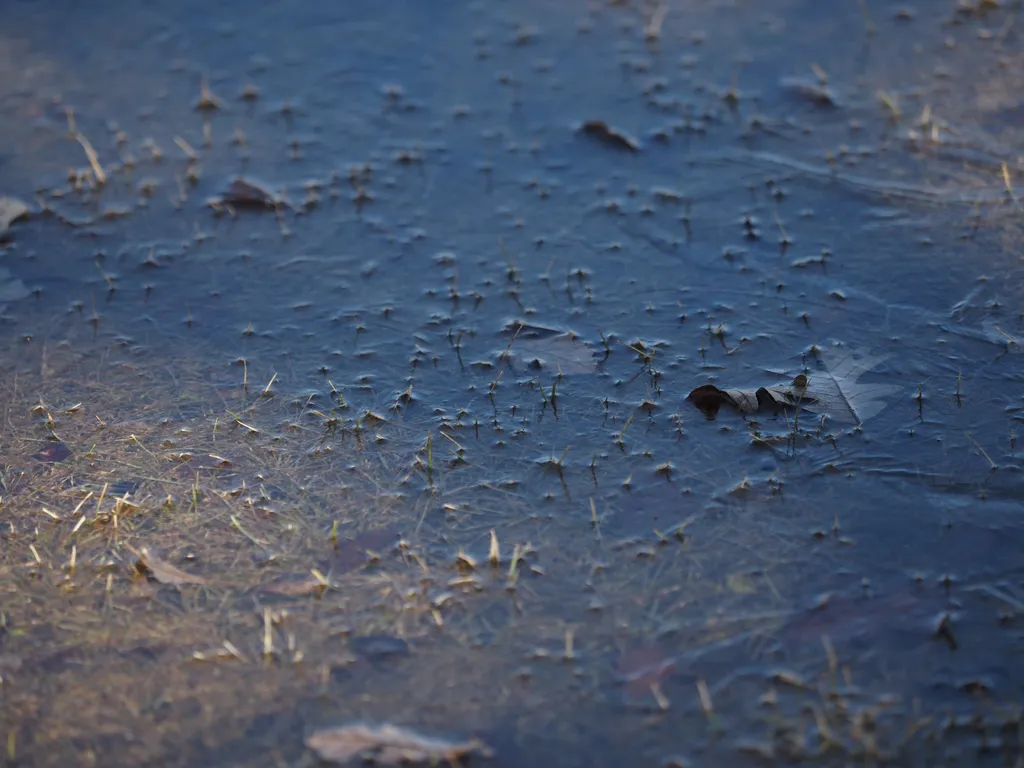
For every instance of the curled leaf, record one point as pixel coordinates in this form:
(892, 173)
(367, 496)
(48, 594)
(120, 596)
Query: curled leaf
(53, 452)
(710, 398)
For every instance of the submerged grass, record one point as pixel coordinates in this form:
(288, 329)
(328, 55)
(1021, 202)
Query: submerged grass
(288, 537)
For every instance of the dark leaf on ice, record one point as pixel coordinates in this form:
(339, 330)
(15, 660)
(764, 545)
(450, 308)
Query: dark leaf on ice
(156, 569)
(602, 131)
(243, 193)
(709, 398)
(773, 399)
(379, 647)
(11, 209)
(566, 353)
(55, 451)
(834, 391)
(389, 745)
(942, 629)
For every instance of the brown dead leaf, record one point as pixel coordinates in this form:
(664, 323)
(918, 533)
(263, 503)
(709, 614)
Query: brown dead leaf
(389, 745)
(11, 209)
(154, 568)
(834, 390)
(709, 398)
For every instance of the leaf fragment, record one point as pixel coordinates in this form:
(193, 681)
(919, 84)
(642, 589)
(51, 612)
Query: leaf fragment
(710, 399)
(565, 353)
(244, 193)
(389, 745)
(54, 452)
(156, 569)
(837, 391)
(613, 137)
(296, 586)
(11, 209)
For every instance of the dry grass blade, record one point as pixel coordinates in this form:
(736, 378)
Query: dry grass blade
(155, 568)
(389, 745)
(94, 160)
